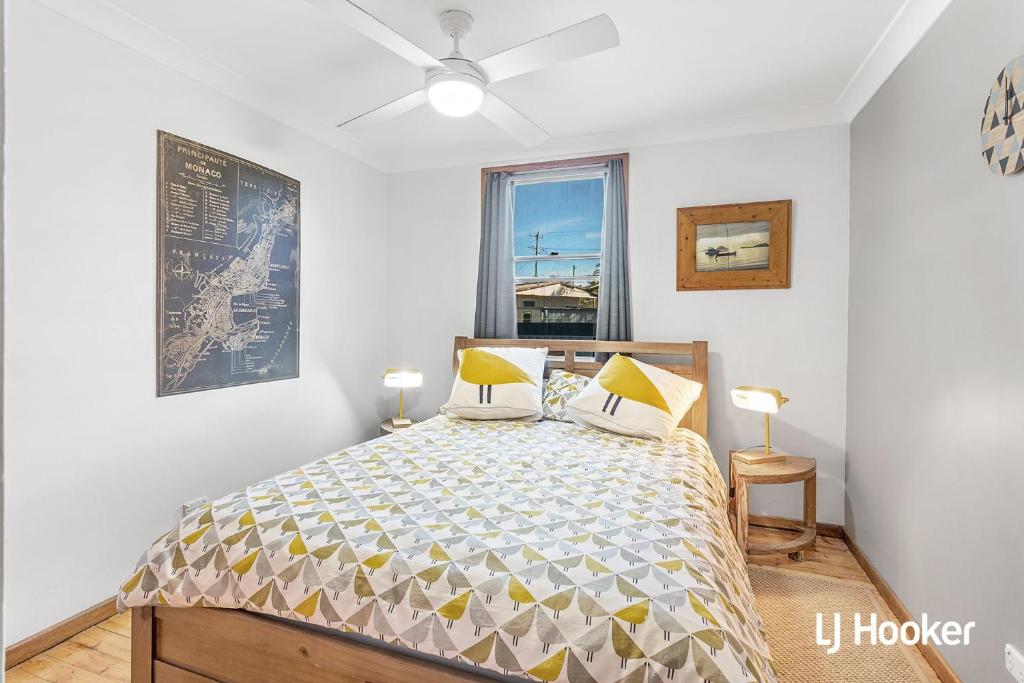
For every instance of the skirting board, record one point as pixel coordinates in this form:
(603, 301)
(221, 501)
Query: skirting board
(929, 651)
(58, 633)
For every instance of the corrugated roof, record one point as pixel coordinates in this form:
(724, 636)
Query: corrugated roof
(553, 289)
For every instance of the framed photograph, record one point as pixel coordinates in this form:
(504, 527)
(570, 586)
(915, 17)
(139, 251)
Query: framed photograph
(733, 246)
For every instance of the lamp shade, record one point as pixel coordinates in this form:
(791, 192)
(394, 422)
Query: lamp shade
(455, 94)
(402, 379)
(761, 399)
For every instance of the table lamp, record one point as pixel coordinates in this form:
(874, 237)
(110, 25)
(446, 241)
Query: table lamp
(762, 400)
(402, 380)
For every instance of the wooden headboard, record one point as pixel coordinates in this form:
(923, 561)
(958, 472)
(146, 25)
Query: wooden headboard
(562, 355)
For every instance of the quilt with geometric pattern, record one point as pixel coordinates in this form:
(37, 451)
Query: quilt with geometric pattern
(545, 550)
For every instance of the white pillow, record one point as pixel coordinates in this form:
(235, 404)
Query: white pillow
(498, 383)
(633, 398)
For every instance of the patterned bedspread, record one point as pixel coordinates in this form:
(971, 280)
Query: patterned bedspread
(544, 550)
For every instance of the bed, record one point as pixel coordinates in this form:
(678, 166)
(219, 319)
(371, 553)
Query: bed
(461, 550)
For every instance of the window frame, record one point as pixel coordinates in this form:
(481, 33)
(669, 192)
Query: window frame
(553, 171)
(558, 176)
(556, 164)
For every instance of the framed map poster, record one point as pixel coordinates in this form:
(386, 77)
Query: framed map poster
(227, 269)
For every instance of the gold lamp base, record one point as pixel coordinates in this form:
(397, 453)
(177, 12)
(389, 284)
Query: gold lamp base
(758, 456)
(399, 422)
(762, 455)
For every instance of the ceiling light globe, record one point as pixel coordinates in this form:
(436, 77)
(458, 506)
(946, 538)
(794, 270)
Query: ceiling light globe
(455, 94)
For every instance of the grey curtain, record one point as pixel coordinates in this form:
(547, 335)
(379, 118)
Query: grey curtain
(495, 285)
(614, 311)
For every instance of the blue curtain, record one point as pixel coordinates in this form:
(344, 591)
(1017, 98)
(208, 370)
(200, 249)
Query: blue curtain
(614, 309)
(495, 285)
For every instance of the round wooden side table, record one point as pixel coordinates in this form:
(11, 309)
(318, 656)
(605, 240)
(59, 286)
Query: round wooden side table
(790, 469)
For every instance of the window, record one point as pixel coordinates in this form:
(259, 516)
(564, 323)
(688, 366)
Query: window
(557, 220)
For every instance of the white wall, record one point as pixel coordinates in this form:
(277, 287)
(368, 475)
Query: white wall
(96, 465)
(2, 130)
(934, 426)
(793, 338)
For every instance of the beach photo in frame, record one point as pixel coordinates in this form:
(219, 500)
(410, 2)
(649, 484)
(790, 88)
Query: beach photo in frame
(733, 246)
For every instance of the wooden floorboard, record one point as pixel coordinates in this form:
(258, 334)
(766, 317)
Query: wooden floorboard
(99, 653)
(120, 624)
(828, 557)
(103, 652)
(59, 632)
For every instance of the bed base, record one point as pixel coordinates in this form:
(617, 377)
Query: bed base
(203, 644)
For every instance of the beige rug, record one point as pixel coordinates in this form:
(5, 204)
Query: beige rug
(788, 601)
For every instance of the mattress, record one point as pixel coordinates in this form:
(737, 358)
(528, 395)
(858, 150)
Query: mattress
(545, 550)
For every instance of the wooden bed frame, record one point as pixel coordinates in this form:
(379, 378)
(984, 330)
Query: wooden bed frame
(175, 645)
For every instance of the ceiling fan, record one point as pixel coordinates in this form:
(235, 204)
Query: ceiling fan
(457, 86)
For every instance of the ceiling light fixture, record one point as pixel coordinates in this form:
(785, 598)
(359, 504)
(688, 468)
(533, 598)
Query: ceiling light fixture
(455, 94)
(457, 89)
(457, 86)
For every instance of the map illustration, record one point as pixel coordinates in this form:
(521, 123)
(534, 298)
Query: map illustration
(228, 270)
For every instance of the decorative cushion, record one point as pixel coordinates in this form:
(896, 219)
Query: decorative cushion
(498, 383)
(561, 387)
(633, 398)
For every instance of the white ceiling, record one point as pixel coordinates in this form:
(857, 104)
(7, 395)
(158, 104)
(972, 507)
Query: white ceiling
(683, 69)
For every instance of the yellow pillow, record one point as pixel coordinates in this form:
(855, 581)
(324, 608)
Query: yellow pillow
(498, 383)
(633, 398)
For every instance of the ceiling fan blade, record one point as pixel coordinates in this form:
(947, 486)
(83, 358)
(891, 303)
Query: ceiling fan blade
(386, 111)
(593, 35)
(500, 113)
(373, 28)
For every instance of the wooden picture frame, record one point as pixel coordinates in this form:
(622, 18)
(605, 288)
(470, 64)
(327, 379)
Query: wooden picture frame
(744, 246)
